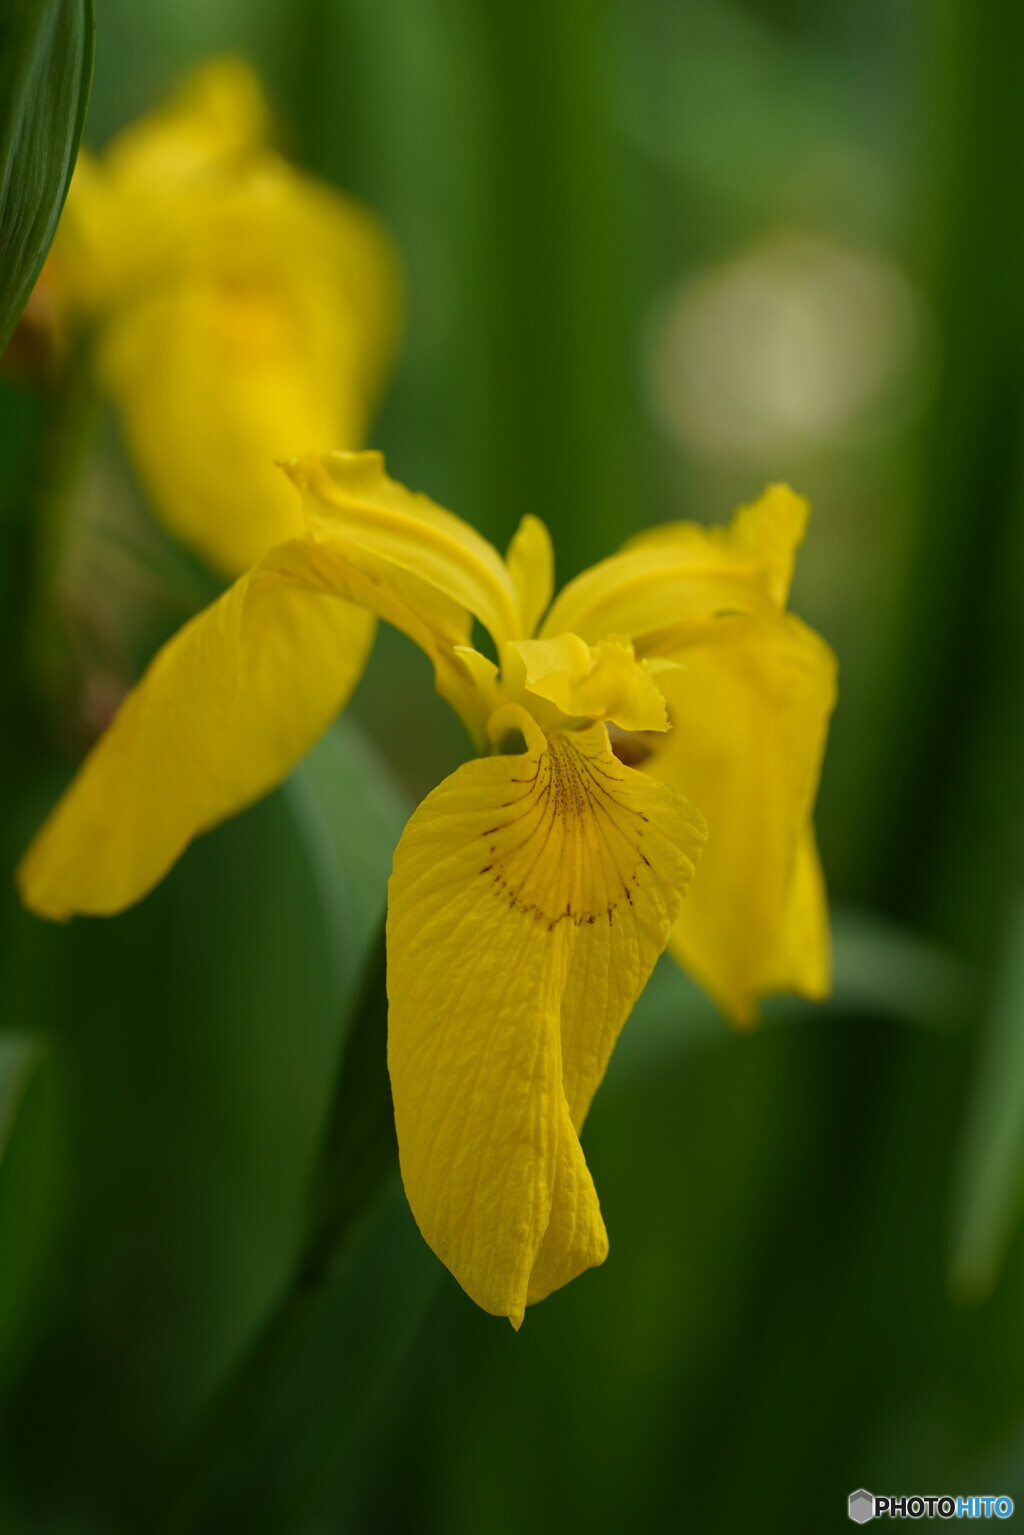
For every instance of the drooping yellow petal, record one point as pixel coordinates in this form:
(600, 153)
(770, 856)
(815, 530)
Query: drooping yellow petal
(531, 562)
(530, 897)
(419, 566)
(750, 705)
(672, 575)
(613, 956)
(270, 339)
(222, 714)
(601, 682)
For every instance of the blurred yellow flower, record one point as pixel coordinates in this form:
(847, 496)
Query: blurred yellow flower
(243, 311)
(533, 891)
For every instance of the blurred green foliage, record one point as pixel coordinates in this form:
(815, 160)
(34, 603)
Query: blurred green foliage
(657, 254)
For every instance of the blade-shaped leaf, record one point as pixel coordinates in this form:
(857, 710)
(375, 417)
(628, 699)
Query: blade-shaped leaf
(350, 810)
(307, 1394)
(19, 1056)
(289, 1436)
(880, 969)
(46, 53)
(31, 1190)
(989, 1196)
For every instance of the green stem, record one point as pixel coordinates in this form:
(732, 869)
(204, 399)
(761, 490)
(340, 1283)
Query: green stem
(968, 502)
(550, 393)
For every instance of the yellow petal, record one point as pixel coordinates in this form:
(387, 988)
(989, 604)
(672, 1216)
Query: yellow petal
(675, 574)
(217, 114)
(615, 953)
(160, 179)
(71, 263)
(269, 338)
(425, 570)
(531, 562)
(804, 952)
(530, 897)
(767, 533)
(245, 312)
(484, 676)
(601, 682)
(750, 707)
(224, 711)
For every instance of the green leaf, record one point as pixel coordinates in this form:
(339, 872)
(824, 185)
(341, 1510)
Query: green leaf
(350, 809)
(360, 1148)
(46, 56)
(304, 1409)
(205, 1028)
(32, 1169)
(887, 969)
(288, 1429)
(20, 1054)
(989, 1185)
(879, 969)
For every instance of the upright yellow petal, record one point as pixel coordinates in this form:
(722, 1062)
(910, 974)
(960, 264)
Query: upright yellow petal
(349, 496)
(750, 704)
(416, 565)
(222, 714)
(768, 533)
(676, 573)
(520, 884)
(531, 562)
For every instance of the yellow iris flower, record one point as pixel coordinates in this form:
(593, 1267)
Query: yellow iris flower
(533, 891)
(243, 311)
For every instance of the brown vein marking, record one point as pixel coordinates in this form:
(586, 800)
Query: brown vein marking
(542, 858)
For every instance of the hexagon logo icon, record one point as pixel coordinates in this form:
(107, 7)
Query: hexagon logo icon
(862, 1506)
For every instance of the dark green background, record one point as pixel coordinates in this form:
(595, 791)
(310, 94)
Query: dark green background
(815, 1281)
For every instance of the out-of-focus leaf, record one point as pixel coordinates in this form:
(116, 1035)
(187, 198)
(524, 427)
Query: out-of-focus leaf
(31, 1190)
(307, 1391)
(202, 1031)
(712, 90)
(350, 809)
(306, 1401)
(46, 52)
(359, 1150)
(989, 1190)
(884, 968)
(19, 1056)
(880, 969)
